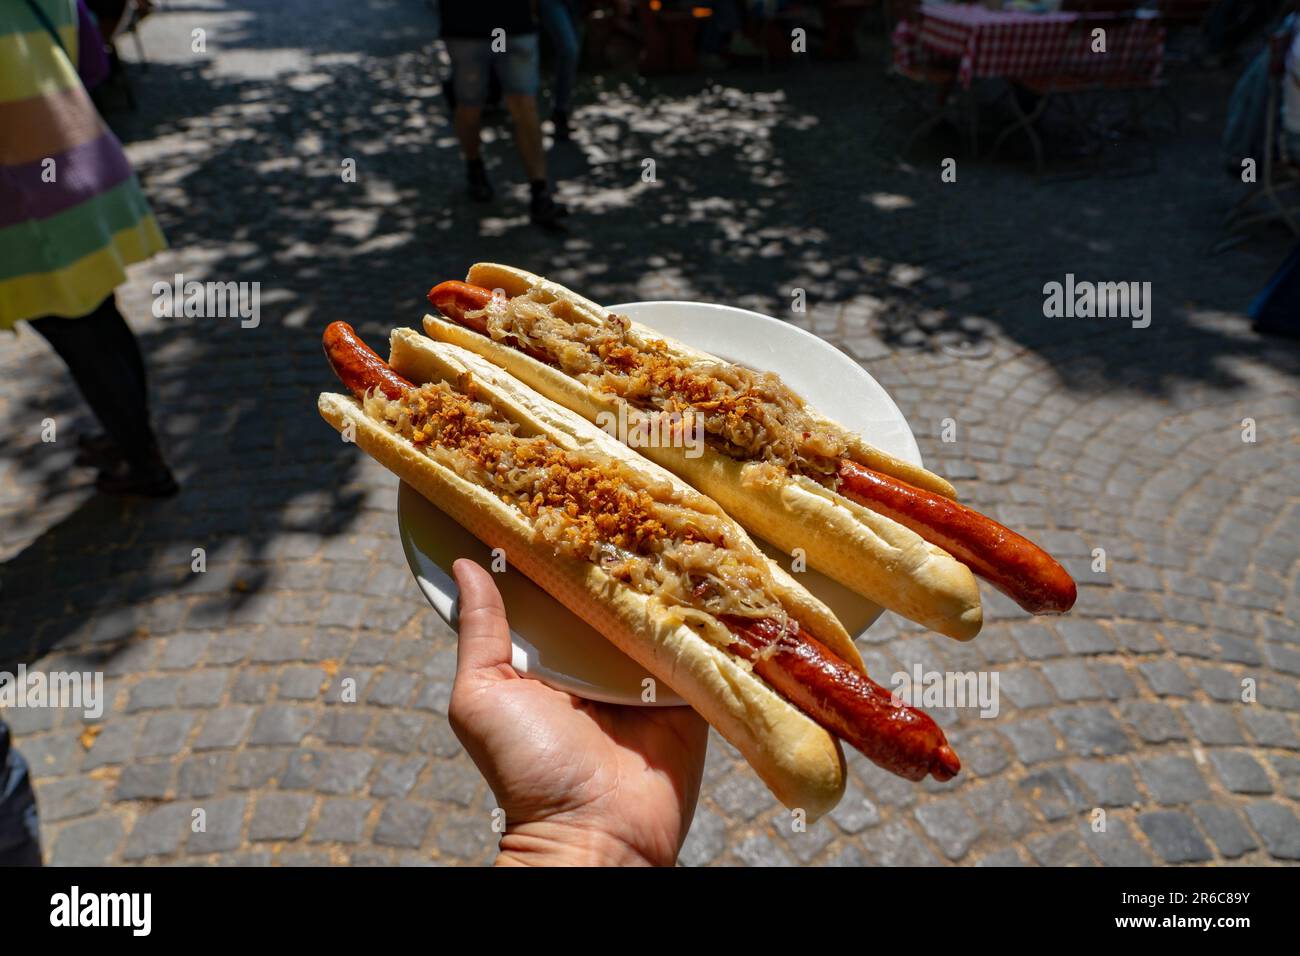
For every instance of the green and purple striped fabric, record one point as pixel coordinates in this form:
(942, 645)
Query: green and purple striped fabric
(72, 214)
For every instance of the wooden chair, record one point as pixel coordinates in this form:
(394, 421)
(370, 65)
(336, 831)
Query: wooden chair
(1279, 171)
(922, 75)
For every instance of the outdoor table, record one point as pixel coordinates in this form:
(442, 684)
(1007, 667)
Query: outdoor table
(1015, 44)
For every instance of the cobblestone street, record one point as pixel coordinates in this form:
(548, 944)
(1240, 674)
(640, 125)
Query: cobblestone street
(1082, 433)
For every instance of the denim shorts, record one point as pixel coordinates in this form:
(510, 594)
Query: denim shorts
(471, 59)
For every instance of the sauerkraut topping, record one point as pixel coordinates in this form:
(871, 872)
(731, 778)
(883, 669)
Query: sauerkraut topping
(586, 505)
(748, 415)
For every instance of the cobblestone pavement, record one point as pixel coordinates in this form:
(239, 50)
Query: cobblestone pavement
(1084, 433)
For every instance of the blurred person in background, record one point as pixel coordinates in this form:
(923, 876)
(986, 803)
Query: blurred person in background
(72, 218)
(1276, 311)
(498, 36)
(559, 20)
(1291, 91)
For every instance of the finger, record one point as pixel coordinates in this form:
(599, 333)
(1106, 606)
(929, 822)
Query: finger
(483, 651)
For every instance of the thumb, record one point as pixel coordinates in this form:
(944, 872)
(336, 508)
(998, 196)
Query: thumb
(483, 651)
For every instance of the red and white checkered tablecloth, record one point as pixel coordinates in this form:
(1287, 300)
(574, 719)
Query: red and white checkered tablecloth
(1014, 44)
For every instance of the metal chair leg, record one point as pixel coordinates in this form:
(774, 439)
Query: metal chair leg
(932, 121)
(1026, 122)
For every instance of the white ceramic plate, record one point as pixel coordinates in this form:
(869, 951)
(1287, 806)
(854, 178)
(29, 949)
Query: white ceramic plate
(553, 645)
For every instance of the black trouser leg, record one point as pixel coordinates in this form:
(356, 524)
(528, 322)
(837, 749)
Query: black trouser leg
(102, 354)
(120, 337)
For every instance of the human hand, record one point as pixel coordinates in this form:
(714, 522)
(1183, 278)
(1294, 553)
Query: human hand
(581, 783)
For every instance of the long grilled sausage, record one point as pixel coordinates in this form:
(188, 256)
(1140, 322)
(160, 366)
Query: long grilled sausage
(796, 665)
(901, 739)
(1014, 565)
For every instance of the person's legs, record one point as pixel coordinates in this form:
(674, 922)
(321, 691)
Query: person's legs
(120, 338)
(518, 69)
(106, 374)
(102, 448)
(468, 121)
(101, 353)
(542, 207)
(528, 134)
(557, 20)
(470, 68)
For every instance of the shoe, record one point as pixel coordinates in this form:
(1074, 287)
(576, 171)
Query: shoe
(561, 120)
(477, 184)
(146, 480)
(96, 451)
(544, 211)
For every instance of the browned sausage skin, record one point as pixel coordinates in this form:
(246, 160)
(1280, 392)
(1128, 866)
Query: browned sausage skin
(454, 299)
(796, 665)
(357, 365)
(901, 739)
(1014, 565)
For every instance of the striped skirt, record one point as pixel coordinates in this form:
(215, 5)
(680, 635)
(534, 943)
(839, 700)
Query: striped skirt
(72, 214)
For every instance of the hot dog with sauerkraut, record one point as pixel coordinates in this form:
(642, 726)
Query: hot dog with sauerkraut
(654, 565)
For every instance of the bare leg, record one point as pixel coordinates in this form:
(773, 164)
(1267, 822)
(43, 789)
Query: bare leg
(469, 121)
(528, 134)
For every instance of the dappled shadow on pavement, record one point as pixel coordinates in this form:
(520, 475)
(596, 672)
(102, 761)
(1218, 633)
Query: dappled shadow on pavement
(761, 185)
